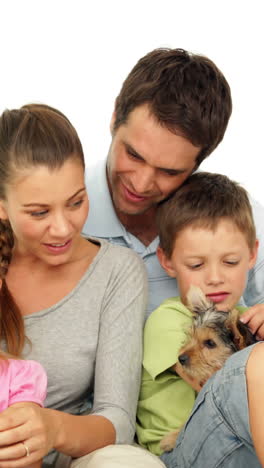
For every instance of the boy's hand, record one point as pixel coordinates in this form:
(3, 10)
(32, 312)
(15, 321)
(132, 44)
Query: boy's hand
(254, 318)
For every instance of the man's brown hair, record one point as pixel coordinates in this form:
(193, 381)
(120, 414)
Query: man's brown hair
(202, 201)
(185, 92)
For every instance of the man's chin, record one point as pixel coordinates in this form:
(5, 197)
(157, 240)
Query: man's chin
(133, 211)
(130, 209)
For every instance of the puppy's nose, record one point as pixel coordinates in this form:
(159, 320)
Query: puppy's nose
(184, 359)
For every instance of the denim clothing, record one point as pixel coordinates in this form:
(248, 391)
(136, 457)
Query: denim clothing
(217, 433)
(104, 223)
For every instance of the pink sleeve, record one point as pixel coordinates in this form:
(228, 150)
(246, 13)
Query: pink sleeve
(28, 382)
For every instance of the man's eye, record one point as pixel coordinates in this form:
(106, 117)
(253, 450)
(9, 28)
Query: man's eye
(133, 155)
(170, 173)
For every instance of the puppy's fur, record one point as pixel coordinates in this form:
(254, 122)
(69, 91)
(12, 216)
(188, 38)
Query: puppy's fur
(213, 337)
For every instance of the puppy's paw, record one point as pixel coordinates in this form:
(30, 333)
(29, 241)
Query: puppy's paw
(169, 440)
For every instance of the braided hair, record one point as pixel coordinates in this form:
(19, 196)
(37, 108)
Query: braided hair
(34, 135)
(11, 322)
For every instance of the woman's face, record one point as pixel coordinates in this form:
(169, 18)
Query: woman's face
(47, 210)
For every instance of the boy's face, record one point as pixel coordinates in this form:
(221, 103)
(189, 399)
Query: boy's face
(216, 261)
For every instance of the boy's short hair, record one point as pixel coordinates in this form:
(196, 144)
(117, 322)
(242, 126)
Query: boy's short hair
(202, 201)
(186, 93)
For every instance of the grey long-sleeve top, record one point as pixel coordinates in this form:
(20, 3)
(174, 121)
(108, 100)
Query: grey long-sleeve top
(90, 342)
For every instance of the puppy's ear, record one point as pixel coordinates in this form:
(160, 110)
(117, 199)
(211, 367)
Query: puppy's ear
(196, 300)
(242, 335)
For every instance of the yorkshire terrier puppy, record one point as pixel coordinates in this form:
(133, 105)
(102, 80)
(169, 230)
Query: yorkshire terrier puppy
(213, 337)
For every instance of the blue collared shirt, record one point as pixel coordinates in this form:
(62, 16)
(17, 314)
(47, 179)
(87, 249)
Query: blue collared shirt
(103, 223)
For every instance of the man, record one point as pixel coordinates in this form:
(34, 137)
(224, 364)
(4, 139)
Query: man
(171, 113)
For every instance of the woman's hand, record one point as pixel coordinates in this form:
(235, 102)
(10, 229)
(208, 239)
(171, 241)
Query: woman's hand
(27, 433)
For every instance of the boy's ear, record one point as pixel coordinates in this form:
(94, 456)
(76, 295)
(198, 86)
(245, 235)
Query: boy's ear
(165, 262)
(253, 255)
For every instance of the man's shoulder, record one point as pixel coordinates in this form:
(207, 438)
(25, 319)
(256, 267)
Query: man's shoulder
(258, 214)
(254, 292)
(102, 220)
(119, 253)
(95, 176)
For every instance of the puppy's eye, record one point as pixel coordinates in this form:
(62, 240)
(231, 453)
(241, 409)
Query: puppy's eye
(209, 344)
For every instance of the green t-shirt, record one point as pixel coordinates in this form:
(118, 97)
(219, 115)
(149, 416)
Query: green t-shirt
(165, 400)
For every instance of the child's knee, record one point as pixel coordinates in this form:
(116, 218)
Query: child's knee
(255, 365)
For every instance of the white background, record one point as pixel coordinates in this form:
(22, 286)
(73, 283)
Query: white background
(74, 55)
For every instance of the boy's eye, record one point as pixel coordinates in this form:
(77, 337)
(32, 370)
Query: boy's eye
(195, 266)
(232, 262)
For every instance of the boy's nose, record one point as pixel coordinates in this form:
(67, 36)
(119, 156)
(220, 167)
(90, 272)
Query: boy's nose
(214, 276)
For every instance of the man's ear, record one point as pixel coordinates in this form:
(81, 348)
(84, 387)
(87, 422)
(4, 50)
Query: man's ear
(3, 213)
(112, 122)
(165, 262)
(253, 255)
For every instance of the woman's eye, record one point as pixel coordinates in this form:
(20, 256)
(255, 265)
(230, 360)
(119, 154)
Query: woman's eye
(38, 214)
(77, 203)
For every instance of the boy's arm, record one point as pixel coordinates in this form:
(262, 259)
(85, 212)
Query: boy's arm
(165, 401)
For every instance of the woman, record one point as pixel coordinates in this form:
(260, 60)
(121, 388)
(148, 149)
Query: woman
(82, 300)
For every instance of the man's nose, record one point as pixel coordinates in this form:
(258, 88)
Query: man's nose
(143, 180)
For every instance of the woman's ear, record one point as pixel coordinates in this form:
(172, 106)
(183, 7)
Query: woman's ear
(253, 255)
(3, 213)
(165, 262)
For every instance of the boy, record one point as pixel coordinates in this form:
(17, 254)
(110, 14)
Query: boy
(207, 239)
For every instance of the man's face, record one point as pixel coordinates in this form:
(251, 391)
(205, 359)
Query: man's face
(146, 162)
